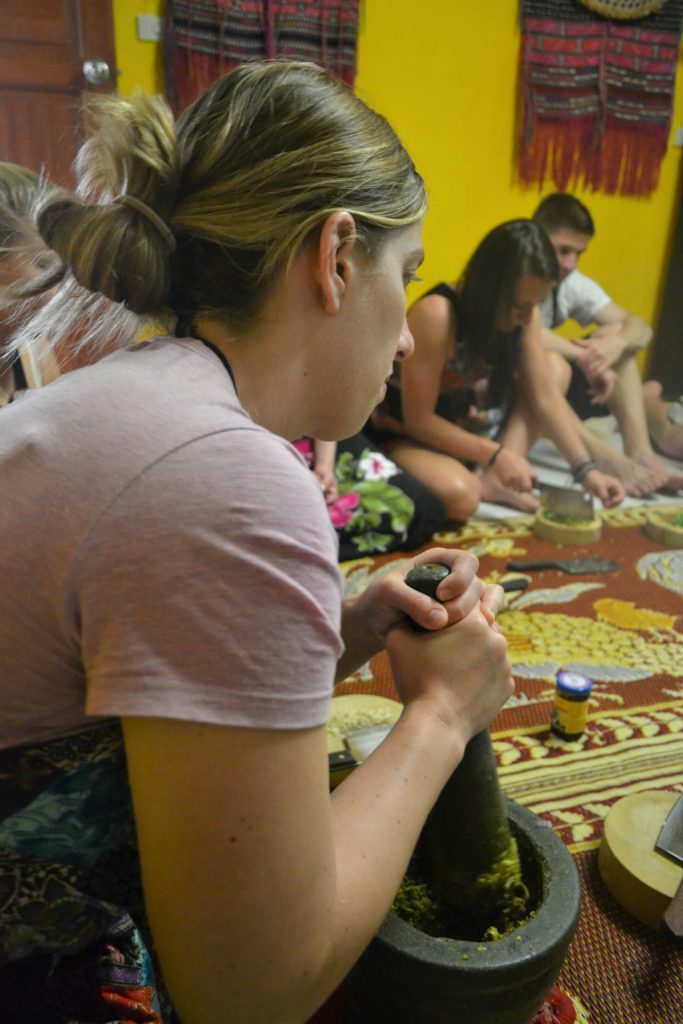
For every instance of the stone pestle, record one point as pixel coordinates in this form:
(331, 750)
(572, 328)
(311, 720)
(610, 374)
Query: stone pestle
(472, 855)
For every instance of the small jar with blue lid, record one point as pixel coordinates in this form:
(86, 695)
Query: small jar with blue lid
(570, 704)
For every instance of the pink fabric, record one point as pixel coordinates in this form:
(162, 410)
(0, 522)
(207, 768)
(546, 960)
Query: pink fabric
(341, 509)
(557, 1009)
(162, 555)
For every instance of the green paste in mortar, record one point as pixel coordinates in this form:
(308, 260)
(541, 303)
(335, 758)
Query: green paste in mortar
(501, 890)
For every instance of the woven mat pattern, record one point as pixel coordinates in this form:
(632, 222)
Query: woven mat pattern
(622, 971)
(625, 630)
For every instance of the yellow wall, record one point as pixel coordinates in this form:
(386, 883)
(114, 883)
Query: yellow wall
(139, 64)
(445, 75)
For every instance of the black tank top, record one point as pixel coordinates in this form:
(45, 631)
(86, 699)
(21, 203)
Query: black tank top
(456, 392)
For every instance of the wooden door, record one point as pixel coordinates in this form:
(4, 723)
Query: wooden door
(44, 45)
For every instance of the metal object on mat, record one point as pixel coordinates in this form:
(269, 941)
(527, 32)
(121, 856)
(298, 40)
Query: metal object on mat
(566, 501)
(516, 583)
(670, 838)
(340, 763)
(575, 566)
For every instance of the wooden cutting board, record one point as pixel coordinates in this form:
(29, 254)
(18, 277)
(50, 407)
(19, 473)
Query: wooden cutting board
(641, 879)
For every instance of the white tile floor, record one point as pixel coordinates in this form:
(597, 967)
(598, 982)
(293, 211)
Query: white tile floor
(552, 468)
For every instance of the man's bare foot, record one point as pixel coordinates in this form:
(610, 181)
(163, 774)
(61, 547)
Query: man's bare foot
(638, 477)
(666, 436)
(672, 480)
(637, 480)
(492, 490)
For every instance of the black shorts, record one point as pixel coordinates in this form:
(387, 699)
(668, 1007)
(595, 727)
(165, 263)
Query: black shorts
(579, 399)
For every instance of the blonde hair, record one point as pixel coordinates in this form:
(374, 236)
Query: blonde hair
(250, 171)
(19, 188)
(25, 269)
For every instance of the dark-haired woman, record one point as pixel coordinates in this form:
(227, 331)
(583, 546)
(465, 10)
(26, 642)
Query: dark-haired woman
(462, 413)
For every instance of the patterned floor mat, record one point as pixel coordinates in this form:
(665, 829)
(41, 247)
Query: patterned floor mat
(625, 630)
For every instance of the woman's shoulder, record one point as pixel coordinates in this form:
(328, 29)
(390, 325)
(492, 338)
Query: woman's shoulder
(441, 299)
(433, 318)
(140, 415)
(446, 290)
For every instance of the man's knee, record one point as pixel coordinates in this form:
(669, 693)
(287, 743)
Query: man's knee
(561, 370)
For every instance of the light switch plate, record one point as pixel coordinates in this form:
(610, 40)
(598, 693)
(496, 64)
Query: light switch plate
(148, 27)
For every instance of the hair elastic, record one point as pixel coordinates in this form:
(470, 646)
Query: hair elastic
(582, 469)
(494, 456)
(149, 214)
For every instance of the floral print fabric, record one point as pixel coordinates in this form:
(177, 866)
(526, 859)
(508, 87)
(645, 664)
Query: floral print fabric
(71, 918)
(379, 507)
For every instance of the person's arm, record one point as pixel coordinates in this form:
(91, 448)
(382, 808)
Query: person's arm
(588, 356)
(434, 331)
(619, 332)
(324, 454)
(555, 416)
(554, 342)
(367, 618)
(197, 602)
(252, 871)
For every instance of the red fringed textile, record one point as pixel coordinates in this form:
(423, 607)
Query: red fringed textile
(597, 96)
(204, 39)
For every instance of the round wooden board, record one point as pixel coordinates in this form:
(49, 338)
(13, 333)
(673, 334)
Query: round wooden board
(659, 525)
(641, 879)
(356, 711)
(577, 532)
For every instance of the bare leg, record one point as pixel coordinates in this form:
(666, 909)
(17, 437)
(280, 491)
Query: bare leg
(627, 403)
(666, 435)
(452, 483)
(638, 468)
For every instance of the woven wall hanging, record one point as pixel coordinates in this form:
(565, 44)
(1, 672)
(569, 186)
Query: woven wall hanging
(623, 8)
(597, 95)
(204, 39)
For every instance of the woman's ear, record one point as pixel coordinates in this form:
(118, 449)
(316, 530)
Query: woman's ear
(333, 258)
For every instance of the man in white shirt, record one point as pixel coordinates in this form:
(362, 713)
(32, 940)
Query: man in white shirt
(599, 372)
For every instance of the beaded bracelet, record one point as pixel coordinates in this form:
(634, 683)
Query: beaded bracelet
(582, 469)
(495, 455)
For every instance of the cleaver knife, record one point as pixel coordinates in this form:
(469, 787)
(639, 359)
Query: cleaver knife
(566, 501)
(670, 843)
(670, 838)
(575, 566)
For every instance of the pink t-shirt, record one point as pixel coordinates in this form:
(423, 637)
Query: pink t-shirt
(162, 554)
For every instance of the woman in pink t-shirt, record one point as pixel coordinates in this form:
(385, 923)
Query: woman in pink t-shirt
(271, 232)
